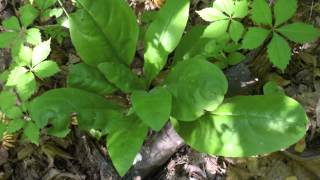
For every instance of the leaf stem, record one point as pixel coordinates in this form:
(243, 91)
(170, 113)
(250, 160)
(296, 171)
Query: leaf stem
(64, 10)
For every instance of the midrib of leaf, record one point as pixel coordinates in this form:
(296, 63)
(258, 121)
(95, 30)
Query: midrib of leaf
(108, 42)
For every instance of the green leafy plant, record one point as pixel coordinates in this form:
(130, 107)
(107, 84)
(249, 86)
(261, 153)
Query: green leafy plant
(190, 92)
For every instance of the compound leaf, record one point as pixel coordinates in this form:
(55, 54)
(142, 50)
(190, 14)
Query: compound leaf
(247, 126)
(88, 78)
(254, 37)
(261, 12)
(279, 51)
(163, 35)
(284, 10)
(299, 32)
(195, 90)
(104, 31)
(153, 107)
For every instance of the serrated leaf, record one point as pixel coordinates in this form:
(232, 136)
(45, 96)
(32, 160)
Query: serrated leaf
(28, 14)
(11, 23)
(261, 12)
(7, 100)
(299, 32)
(284, 10)
(88, 78)
(240, 9)
(226, 6)
(46, 69)
(15, 74)
(254, 37)
(279, 51)
(211, 14)
(41, 52)
(153, 107)
(101, 35)
(247, 126)
(163, 36)
(26, 85)
(121, 76)
(32, 132)
(57, 106)
(128, 130)
(236, 30)
(33, 36)
(235, 58)
(8, 39)
(195, 90)
(44, 4)
(15, 125)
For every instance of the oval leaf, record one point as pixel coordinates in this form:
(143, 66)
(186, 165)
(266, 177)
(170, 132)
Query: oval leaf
(300, 32)
(279, 51)
(254, 37)
(261, 12)
(284, 10)
(104, 31)
(247, 126)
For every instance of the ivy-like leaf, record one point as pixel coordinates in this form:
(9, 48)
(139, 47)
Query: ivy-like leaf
(279, 51)
(46, 69)
(57, 106)
(261, 12)
(121, 76)
(88, 78)
(247, 126)
(211, 14)
(153, 107)
(41, 52)
(163, 35)
(121, 152)
(236, 30)
(11, 23)
(254, 37)
(299, 32)
(284, 10)
(104, 31)
(195, 89)
(28, 14)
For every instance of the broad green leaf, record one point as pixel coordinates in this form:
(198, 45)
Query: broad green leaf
(15, 75)
(272, 87)
(211, 14)
(279, 51)
(254, 37)
(153, 107)
(125, 141)
(284, 10)
(41, 52)
(28, 14)
(216, 29)
(261, 12)
(240, 9)
(8, 39)
(299, 32)
(13, 112)
(121, 76)
(163, 36)
(15, 125)
(32, 132)
(57, 106)
(46, 69)
(235, 58)
(196, 85)
(188, 42)
(247, 126)
(104, 31)
(226, 6)
(236, 30)
(7, 100)
(33, 36)
(44, 4)
(11, 23)
(26, 85)
(88, 78)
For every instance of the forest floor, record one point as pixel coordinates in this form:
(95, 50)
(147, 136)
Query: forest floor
(80, 156)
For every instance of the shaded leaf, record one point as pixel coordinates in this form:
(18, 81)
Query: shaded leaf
(7, 39)
(261, 12)
(279, 51)
(11, 23)
(299, 32)
(32, 132)
(236, 30)
(28, 14)
(15, 125)
(284, 10)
